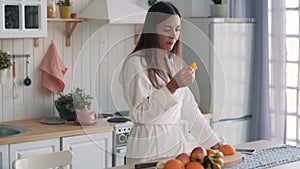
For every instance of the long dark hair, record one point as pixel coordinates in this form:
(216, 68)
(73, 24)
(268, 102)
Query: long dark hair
(157, 13)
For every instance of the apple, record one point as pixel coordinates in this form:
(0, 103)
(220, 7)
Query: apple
(184, 158)
(198, 154)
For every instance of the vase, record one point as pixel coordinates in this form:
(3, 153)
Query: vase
(3, 75)
(85, 116)
(68, 115)
(218, 10)
(65, 11)
(66, 112)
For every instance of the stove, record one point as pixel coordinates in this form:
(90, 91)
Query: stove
(121, 132)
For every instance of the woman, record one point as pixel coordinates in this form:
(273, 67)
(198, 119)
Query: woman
(155, 85)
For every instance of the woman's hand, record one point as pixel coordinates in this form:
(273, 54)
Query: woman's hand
(183, 78)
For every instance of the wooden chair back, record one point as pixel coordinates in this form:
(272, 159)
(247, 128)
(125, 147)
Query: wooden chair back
(60, 159)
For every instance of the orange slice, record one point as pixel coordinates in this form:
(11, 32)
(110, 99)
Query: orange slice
(193, 66)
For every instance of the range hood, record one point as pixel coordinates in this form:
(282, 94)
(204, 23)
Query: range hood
(113, 11)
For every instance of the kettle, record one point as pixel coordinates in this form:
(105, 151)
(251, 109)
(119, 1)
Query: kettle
(85, 116)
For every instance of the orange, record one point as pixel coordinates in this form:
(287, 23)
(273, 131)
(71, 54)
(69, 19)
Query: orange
(193, 66)
(174, 164)
(194, 165)
(227, 149)
(210, 151)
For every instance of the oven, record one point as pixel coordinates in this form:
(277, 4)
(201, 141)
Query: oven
(120, 138)
(120, 135)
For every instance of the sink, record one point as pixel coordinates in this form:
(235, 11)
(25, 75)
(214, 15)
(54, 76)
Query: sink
(10, 130)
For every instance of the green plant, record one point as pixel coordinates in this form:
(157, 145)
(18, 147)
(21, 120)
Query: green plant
(151, 2)
(80, 99)
(65, 2)
(217, 1)
(5, 60)
(67, 103)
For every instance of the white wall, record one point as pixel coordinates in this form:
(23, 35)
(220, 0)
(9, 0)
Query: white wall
(187, 7)
(91, 59)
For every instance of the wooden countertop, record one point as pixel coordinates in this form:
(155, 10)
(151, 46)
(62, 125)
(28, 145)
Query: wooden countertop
(35, 130)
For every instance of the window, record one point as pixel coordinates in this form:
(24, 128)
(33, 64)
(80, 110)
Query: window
(292, 72)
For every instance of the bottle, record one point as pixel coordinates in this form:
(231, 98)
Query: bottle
(51, 9)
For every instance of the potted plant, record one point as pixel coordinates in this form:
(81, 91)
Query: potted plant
(218, 9)
(67, 103)
(151, 2)
(217, 1)
(5, 64)
(65, 8)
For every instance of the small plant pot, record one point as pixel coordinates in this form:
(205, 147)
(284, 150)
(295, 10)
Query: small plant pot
(218, 10)
(65, 11)
(66, 104)
(66, 113)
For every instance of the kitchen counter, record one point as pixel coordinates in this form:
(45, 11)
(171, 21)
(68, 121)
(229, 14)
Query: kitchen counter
(35, 130)
(258, 145)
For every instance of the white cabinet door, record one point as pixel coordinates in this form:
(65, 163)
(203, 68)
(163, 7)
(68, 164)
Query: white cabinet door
(27, 149)
(92, 151)
(4, 163)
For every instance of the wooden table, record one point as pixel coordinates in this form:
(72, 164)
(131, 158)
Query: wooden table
(262, 144)
(258, 145)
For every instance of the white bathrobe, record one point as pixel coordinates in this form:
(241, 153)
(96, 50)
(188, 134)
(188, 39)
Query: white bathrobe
(162, 120)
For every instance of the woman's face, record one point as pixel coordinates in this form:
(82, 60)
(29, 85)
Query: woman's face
(168, 32)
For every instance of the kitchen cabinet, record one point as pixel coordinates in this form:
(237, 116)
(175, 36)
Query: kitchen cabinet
(27, 149)
(23, 19)
(92, 151)
(4, 163)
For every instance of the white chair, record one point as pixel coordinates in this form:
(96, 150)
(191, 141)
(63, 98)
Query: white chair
(58, 159)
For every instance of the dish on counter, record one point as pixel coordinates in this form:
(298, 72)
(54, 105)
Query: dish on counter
(53, 120)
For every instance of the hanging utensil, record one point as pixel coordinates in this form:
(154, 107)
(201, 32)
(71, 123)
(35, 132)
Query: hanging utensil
(14, 89)
(27, 80)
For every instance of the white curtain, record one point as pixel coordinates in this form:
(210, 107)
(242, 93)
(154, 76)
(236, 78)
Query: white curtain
(269, 99)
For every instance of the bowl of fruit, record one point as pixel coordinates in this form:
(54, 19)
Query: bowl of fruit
(201, 158)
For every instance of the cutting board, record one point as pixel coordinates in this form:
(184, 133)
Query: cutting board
(228, 161)
(233, 159)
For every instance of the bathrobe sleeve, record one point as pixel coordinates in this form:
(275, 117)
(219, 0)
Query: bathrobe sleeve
(198, 126)
(146, 102)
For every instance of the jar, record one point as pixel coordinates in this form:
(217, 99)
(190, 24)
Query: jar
(51, 9)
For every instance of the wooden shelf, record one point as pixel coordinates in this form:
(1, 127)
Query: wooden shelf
(65, 20)
(71, 24)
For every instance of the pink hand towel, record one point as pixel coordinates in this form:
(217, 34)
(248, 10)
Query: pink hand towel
(53, 69)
